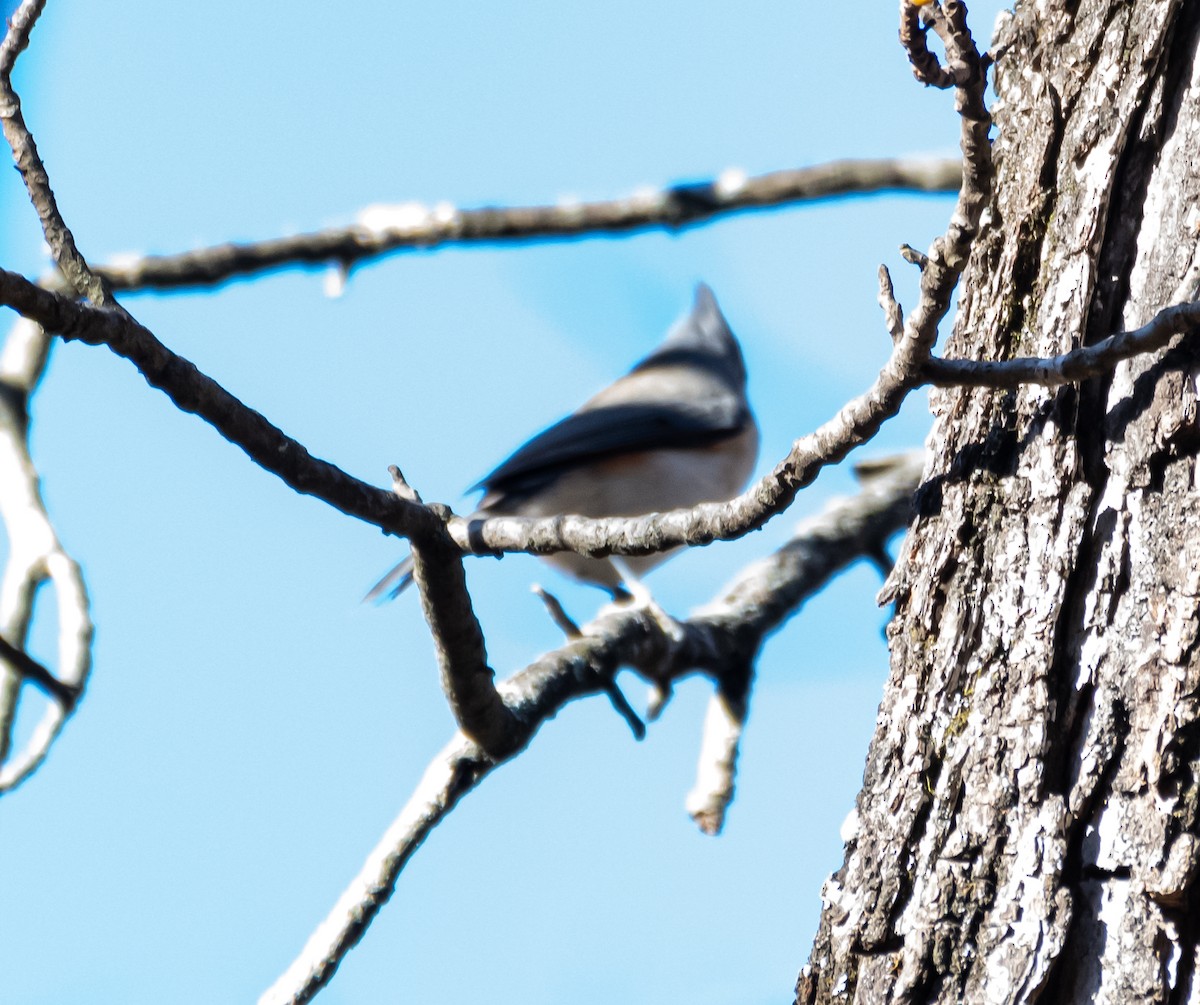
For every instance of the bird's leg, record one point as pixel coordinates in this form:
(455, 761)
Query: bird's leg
(622, 707)
(641, 599)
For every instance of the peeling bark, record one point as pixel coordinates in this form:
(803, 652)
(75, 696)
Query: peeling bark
(1028, 824)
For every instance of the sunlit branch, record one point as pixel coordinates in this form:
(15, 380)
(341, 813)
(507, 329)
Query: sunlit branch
(386, 229)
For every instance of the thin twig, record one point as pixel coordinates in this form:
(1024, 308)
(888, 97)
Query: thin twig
(382, 230)
(712, 794)
(16, 38)
(67, 256)
(915, 19)
(401, 487)
(893, 315)
(913, 256)
(1069, 367)
(196, 393)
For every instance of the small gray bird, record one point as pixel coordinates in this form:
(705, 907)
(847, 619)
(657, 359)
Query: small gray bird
(675, 431)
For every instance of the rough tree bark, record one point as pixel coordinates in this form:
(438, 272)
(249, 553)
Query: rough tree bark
(1027, 828)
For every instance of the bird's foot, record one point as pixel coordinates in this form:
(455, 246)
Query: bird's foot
(640, 599)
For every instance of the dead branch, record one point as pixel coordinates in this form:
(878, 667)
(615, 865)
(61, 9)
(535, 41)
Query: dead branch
(1069, 367)
(386, 229)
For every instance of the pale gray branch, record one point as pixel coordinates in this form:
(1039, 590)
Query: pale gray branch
(781, 583)
(16, 38)
(893, 316)
(712, 793)
(384, 229)
(35, 556)
(1069, 367)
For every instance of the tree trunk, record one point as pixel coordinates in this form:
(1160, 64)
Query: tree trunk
(1028, 828)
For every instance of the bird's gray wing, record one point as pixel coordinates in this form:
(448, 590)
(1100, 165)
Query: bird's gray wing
(593, 434)
(616, 429)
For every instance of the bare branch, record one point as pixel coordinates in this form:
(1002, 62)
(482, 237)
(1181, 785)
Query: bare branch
(926, 67)
(35, 555)
(452, 774)
(467, 680)
(893, 316)
(196, 393)
(915, 19)
(712, 794)
(777, 587)
(16, 39)
(722, 637)
(909, 367)
(58, 235)
(913, 257)
(384, 229)
(853, 425)
(1070, 367)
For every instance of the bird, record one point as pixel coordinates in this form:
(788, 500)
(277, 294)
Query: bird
(676, 430)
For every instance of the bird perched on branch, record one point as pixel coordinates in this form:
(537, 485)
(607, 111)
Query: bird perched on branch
(675, 431)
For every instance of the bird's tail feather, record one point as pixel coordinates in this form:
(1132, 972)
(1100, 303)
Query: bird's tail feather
(393, 584)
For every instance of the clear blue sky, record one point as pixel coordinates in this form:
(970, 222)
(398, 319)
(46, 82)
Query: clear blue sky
(250, 728)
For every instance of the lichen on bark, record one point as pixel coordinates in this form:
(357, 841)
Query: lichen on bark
(1027, 826)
